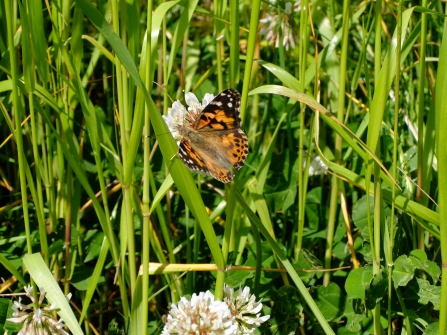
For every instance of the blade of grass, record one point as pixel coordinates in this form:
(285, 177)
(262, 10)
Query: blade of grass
(390, 232)
(93, 282)
(234, 67)
(219, 8)
(329, 49)
(333, 201)
(333, 122)
(179, 171)
(385, 79)
(18, 112)
(182, 25)
(147, 172)
(45, 279)
(286, 78)
(28, 75)
(421, 156)
(11, 268)
(252, 35)
(410, 207)
(383, 83)
(287, 265)
(441, 140)
(262, 171)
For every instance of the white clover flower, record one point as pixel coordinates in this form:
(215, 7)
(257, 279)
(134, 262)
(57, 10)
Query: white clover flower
(194, 105)
(274, 22)
(39, 321)
(317, 166)
(175, 118)
(178, 114)
(200, 315)
(29, 291)
(245, 309)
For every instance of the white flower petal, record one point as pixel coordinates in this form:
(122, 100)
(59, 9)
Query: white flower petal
(207, 99)
(191, 99)
(245, 308)
(200, 315)
(19, 319)
(28, 290)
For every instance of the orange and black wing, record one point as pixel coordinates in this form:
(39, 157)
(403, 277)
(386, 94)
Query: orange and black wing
(222, 113)
(191, 158)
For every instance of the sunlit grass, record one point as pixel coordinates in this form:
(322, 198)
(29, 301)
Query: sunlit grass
(92, 180)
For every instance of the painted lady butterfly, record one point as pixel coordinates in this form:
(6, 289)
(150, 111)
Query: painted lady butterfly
(211, 141)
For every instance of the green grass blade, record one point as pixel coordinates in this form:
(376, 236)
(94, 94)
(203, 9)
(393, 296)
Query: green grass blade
(44, 278)
(100, 47)
(164, 188)
(28, 63)
(157, 20)
(287, 265)
(387, 73)
(93, 283)
(286, 78)
(329, 49)
(136, 326)
(11, 268)
(234, 68)
(252, 35)
(39, 40)
(71, 155)
(441, 140)
(182, 25)
(261, 206)
(179, 171)
(263, 168)
(336, 125)
(412, 208)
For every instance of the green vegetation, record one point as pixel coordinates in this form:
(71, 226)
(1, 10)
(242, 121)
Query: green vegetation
(344, 188)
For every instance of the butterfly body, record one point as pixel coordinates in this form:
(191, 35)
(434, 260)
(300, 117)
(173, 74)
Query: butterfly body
(212, 141)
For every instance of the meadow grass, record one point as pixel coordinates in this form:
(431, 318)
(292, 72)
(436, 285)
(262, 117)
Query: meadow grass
(96, 202)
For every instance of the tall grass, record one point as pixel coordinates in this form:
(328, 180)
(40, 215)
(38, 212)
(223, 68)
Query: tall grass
(91, 180)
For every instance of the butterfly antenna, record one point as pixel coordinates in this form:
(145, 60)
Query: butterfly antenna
(164, 90)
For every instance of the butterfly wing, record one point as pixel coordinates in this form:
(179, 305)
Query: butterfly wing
(222, 113)
(191, 158)
(221, 174)
(216, 141)
(196, 162)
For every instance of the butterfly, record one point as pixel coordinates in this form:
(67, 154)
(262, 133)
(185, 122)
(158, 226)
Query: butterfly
(212, 141)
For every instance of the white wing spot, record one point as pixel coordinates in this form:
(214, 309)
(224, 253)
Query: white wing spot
(230, 105)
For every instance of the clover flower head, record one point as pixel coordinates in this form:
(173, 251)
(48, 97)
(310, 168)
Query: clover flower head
(200, 315)
(29, 291)
(245, 309)
(38, 321)
(275, 23)
(178, 114)
(316, 167)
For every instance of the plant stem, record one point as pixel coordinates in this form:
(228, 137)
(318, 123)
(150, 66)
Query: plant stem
(252, 35)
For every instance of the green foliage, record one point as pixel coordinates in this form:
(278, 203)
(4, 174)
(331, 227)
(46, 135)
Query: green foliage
(357, 280)
(5, 314)
(338, 217)
(329, 300)
(287, 314)
(375, 290)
